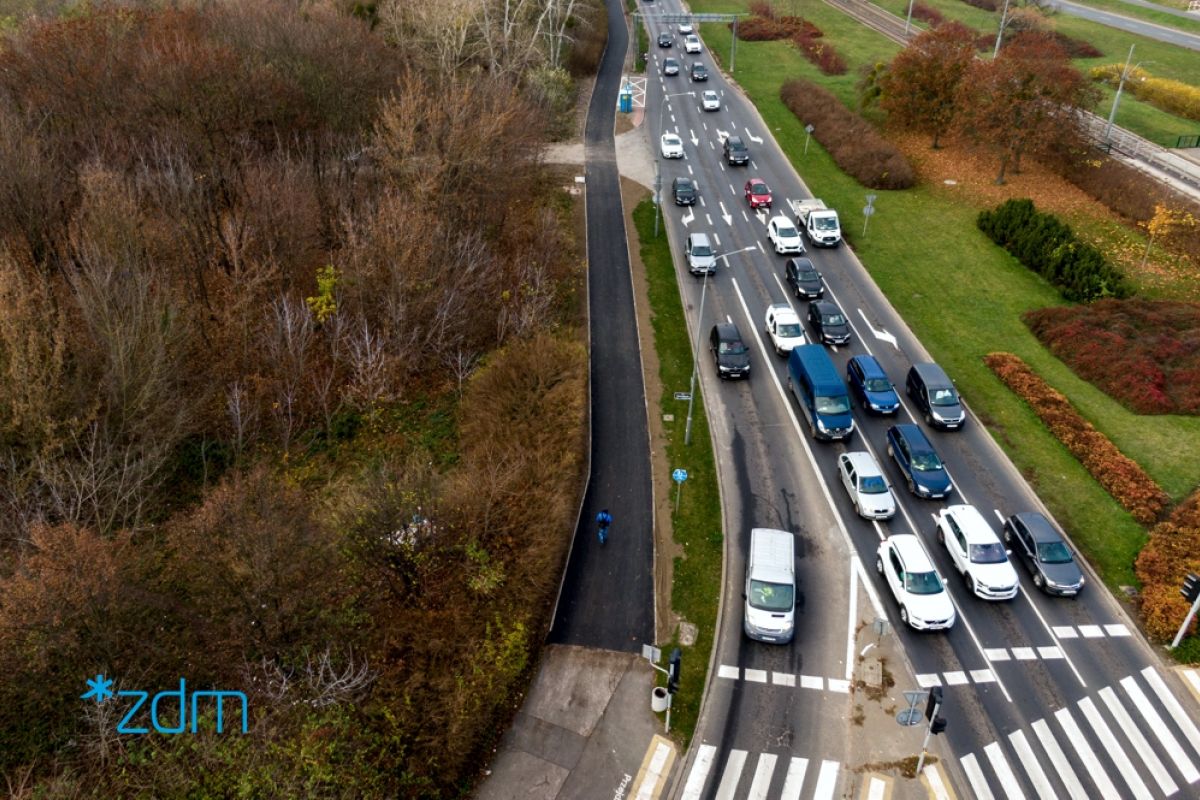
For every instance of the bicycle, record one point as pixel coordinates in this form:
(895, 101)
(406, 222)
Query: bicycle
(603, 521)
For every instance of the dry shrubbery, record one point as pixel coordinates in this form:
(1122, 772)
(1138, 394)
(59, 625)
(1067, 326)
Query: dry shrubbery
(1172, 552)
(854, 144)
(1120, 476)
(1143, 353)
(767, 25)
(928, 14)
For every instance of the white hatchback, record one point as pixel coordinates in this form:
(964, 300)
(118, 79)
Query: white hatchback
(691, 44)
(977, 552)
(711, 100)
(784, 327)
(672, 146)
(783, 235)
(869, 491)
(685, 27)
(906, 569)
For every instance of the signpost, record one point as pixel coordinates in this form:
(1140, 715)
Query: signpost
(868, 210)
(808, 129)
(679, 476)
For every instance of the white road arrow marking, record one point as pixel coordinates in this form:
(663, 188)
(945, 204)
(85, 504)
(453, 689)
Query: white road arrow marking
(880, 333)
(752, 137)
(695, 141)
(691, 215)
(761, 213)
(725, 215)
(722, 135)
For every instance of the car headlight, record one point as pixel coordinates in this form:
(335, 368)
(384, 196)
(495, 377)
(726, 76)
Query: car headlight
(821, 426)
(922, 489)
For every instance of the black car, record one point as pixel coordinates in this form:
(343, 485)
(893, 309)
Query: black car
(670, 66)
(828, 322)
(730, 353)
(699, 72)
(735, 151)
(665, 40)
(804, 279)
(1043, 550)
(684, 190)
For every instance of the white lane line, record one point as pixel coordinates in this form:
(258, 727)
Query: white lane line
(928, 679)
(1153, 764)
(1033, 769)
(726, 671)
(731, 775)
(1009, 781)
(996, 654)
(762, 777)
(1049, 630)
(983, 676)
(1091, 764)
(877, 790)
(1024, 654)
(1050, 652)
(852, 624)
(975, 776)
(699, 773)
(1065, 631)
(1117, 630)
(1115, 752)
(1059, 760)
(956, 678)
(783, 679)
(1158, 726)
(794, 779)
(836, 685)
(1091, 631)
(826, 781)
(1173, 708)
(936, 786)
(812, 682)
(756, 675)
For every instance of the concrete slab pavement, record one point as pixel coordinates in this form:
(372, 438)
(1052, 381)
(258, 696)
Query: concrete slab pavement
(585, 731)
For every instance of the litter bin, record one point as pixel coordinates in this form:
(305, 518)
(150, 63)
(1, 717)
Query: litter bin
(658, 699)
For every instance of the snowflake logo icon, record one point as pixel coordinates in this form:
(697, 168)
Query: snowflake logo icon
(99, 687)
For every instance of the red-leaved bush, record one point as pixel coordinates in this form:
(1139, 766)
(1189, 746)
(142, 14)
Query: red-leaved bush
(928, 14)
(1120, 476)
(820, 53)
(1172, 552)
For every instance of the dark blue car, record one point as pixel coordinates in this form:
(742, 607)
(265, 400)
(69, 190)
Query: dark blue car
(871, 386)
(923, 470)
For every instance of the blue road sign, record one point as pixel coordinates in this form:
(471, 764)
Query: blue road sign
(679, 475)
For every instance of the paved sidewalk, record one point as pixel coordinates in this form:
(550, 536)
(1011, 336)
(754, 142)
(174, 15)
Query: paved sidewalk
(635, 160)
(585, 731)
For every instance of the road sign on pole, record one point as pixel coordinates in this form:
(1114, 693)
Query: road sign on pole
(679, 476)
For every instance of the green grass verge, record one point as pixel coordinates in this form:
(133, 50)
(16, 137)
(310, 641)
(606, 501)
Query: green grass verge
(922, 268)
(697, 525)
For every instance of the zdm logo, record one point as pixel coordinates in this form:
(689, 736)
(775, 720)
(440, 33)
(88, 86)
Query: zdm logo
(100, 689)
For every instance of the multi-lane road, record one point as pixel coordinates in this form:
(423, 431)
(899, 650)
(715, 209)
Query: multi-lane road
(1046, 697)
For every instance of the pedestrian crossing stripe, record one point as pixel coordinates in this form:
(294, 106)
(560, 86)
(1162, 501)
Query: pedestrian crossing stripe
(788, 679)
(744, 777)
(927, 680)
(1112, 735)
(1115, 631)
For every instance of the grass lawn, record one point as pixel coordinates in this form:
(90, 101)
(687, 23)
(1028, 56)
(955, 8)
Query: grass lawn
(697, 525)
(921, 269)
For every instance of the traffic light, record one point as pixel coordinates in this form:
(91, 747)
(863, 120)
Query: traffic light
(935, 700)
(937, 725)
(1191, 587)
(673, 671)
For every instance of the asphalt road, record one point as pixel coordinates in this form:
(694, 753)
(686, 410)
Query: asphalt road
(1046, 697)
(1121, 22)
(607, 599)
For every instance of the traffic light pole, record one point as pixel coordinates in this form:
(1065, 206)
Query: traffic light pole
(1191, 591)
(936, 723)
(928, 732)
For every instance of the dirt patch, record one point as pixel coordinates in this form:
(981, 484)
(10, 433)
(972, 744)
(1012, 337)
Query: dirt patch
(666, 549)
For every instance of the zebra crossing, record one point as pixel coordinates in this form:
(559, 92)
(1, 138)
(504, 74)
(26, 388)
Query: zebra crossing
(789, 775)
(1110, 734)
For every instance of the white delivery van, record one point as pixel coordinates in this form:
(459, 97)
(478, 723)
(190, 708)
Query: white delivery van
(771, 586)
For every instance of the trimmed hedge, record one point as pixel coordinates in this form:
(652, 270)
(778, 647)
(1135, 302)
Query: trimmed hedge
(986, 5)
(1172, 552)
(1120, 476)
(1047, 246)
(1174, 97)
(928, 14)
(859, 150)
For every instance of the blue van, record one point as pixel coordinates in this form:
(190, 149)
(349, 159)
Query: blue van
(821, 393)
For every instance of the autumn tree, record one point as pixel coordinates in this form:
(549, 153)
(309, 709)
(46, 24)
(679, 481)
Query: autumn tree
(920, 88)
(1023, 101)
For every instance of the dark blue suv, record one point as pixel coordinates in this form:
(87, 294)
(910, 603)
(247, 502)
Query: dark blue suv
(871, 386)
(922, 468)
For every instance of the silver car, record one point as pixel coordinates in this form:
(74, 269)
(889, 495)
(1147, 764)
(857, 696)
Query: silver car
(869, 491)
(711, 100)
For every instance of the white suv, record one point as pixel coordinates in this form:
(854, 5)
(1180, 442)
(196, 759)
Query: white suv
(784, 328)
(691, 43)
(906, 569)
(977, 552)
(865, 483)
(784, 236)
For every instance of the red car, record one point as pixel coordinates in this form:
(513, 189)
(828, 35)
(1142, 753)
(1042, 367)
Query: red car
(758, 194)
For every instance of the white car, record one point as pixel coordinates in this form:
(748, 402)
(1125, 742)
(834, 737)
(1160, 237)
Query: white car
(868, 488)
(691, 43)
(906, 569)
(711, 100)
(672, 146)
(784, 328)
(977, 552)
(784, 236)
(686, 27)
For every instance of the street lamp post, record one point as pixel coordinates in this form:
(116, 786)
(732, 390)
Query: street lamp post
(687, 431)
(1112, 115)
(1000, 33)
(908, 19)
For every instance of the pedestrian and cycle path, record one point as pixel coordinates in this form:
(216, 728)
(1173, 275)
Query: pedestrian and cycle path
(1132, 738)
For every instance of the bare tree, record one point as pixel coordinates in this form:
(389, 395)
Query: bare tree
(368, 365)
(289, 341)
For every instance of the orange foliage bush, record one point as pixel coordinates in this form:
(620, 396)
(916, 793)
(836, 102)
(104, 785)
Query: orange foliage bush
(1120, 476)
(1172, 552)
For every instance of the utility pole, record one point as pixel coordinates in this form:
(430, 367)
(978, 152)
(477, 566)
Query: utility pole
(1112, 115)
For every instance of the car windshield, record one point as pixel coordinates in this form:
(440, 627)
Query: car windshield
(872, 484)
(759, 188)
(701, 250)
(807, 275)
(825, 223)
(732, 348)
(988, 553)
(838, 404)
(786, 231)
(684, 185)
(770, 596)
(877, 384)
(1053, 553)
(926, 461)
(922, 583)
(789, 330)
(943, 397)
(833, 319)
(669, 140)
